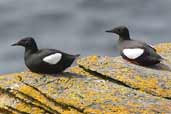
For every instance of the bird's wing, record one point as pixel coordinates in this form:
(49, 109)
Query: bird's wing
(133, 53)
(50, 56)
(137, 49)
(53, 58)
(151, 47)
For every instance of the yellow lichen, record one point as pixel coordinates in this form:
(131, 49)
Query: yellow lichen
(163, 48)
(88, 92)
(41, 98)
(29, 109)
(127, 75)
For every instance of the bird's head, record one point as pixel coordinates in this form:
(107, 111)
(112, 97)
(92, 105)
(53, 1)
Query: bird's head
(27, 42)
(122, 31)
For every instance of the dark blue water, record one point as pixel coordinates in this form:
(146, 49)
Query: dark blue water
(77, 26)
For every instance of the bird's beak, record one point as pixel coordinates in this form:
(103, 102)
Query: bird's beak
(109, 31)
(15, 44)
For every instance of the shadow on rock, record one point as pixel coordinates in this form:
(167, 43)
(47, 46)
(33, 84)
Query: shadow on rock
(160, 66)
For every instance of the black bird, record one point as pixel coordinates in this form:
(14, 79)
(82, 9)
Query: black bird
(49, 61)
(135, 51)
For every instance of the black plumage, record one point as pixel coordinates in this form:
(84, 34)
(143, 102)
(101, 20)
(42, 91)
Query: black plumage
(35, 58)
(147, 54)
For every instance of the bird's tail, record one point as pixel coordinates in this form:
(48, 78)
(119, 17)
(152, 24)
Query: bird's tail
(77, 55)
(163, 59)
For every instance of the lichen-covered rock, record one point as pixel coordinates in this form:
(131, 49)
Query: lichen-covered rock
(96, 87)
(154, 80)
(69, 93)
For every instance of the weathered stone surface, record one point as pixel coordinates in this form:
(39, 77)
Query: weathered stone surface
(154, 80)
(78, 91)
(71, 93)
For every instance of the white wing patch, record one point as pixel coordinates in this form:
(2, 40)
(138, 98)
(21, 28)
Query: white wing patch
(133, 53)
(53, 59)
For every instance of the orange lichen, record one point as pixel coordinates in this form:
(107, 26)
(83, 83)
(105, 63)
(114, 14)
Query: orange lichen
(38, 96)
(28, 108)
(111, 91)
(128, 75)
(163, 48)
(148, 83)
(113, 110)
(80, 71)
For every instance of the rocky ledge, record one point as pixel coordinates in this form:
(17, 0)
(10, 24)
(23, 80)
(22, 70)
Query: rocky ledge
(98, 85)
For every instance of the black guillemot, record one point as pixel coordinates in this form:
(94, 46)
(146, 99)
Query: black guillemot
(135, 51)
(49, 61)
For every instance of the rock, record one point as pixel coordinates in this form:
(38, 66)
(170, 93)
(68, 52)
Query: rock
(99, 85)
(154, 80)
